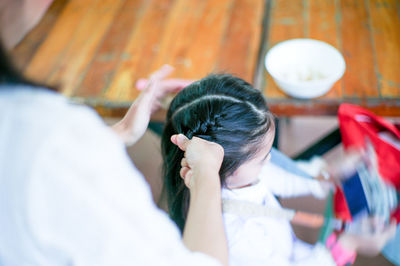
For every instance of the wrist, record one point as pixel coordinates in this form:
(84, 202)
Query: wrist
(206, 183)
(124, 130)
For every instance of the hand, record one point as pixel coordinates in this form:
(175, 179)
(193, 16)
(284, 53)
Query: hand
(165, 87)
(335, 171)
(136, 120)
(201, 162)
(373, 238)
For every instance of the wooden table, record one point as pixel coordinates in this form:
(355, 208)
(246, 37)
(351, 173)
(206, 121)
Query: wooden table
(368, 35)
(95, 50)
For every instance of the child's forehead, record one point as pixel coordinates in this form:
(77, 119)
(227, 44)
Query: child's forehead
(263, 148)
(270, 135)
(267, 142)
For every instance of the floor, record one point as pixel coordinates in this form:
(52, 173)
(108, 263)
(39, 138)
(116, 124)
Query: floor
(295, 135)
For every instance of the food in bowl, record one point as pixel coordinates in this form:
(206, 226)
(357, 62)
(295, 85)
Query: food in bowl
(303, 74)
(304, 68)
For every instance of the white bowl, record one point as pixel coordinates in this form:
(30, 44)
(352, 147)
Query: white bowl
(305, 68)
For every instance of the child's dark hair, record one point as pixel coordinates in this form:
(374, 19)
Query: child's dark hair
(218, 108)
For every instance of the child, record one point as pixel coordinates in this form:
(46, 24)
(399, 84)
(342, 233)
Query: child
(230, 112)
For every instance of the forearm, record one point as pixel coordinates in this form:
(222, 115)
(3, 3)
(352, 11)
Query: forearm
(285, 184)
(134, 124)
(204, 229)
(123, 130)
(120, 129)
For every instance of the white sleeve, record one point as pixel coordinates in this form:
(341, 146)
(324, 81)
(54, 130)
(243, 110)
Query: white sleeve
(285, 184)
(88, 205)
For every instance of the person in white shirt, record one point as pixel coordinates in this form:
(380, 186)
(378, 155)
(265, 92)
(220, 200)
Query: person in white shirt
(229, 111)
(69, 195)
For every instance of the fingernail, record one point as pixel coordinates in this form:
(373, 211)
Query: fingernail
(173, 138)
(181, 137)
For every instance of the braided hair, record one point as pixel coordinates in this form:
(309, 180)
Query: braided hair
(218, 108)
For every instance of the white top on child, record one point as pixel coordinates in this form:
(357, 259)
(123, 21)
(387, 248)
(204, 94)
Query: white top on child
(261, 240)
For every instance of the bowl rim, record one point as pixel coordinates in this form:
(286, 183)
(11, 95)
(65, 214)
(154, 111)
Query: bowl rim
(332, 78)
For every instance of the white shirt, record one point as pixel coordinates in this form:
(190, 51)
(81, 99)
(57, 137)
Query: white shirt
(69, 195)
(271, 240)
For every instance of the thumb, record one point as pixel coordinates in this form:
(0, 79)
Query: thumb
(141, 84)
(180, 140)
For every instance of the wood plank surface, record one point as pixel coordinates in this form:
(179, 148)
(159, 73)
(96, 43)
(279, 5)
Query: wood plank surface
(242, 38)
(95, 50)
(25, 50)
(141, 44)
(324, 26)
(385, 30)
(51, 51)
(287, 19)
(92, 28)
(360, 78)
(178, 35)
(368, 35)
(111, 50)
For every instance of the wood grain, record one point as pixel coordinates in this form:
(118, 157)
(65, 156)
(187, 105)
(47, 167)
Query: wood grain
(324, 26)
(52, 50)
(95, 50)
(368, 35)
(178, 36)
(238, 50)
(286, 22)
(385, 31)
(83, 45)
(360, 78)
(139, 52)
(203, 51)
(26, 49)
(111, 50)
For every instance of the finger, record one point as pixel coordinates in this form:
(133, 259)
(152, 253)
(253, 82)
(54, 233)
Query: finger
(175, 85)
(174, 140)
(181, 141)
(151, 93)
(169, 85)
(160, 74)
(184, 171)
(184, 163)
(189, 178)
(155, 77)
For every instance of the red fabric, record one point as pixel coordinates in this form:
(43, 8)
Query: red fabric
(357, 124)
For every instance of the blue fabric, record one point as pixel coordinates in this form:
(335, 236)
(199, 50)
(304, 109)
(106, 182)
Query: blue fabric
(392, 249)
(280, 159)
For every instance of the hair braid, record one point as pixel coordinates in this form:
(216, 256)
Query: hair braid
(218, 108)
